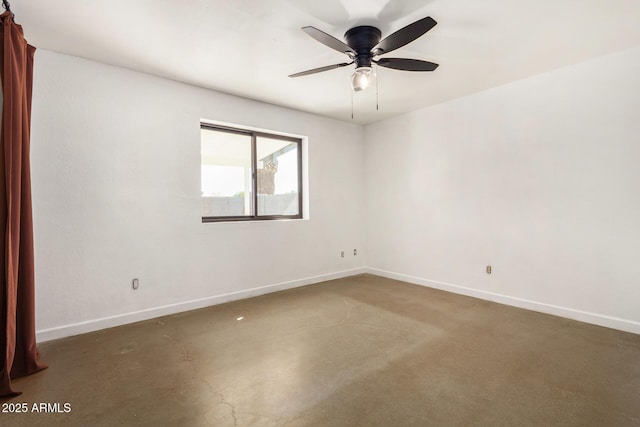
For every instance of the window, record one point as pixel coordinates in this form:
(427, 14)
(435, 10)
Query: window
(247, 175)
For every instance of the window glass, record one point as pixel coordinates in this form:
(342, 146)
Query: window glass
(249, 175)
(225, 174)
(277, 167)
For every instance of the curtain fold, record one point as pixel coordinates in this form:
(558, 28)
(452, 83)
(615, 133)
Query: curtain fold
(17, 303)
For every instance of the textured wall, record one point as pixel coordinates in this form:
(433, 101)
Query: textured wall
(539, 179)
(116, 188)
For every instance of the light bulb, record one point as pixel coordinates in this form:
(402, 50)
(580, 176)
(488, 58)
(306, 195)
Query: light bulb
(361, 78)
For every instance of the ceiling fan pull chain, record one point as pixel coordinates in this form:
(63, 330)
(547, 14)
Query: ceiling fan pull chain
(351, 92)
(377, 78)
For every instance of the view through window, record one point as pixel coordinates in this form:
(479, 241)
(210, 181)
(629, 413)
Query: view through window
(249, 175)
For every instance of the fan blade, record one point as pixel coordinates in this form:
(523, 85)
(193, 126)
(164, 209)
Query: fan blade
(328, 40)
(406, 64)
(404, 36)
(321, 69)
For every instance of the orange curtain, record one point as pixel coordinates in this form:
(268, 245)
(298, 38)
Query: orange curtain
(17, 329)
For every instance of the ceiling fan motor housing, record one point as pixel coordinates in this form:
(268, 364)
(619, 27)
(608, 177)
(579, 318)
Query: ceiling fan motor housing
(362, 39)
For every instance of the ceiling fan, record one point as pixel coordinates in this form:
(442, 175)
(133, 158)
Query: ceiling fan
(363, 46)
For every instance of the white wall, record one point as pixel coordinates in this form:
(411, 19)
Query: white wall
(116, 195)
(539, 178)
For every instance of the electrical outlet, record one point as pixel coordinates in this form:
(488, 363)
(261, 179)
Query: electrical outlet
(135, 283)
(342, 254)
(488, 269)
(355, 252)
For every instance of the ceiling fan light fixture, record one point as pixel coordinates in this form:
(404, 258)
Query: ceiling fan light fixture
(362, 78)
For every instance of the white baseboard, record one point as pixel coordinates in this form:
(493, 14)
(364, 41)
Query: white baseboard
(570, 313)
(150, 313)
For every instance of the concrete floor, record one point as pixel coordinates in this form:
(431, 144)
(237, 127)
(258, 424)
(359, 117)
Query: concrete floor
(360, 351)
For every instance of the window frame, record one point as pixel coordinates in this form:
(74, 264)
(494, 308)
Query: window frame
(254, 134)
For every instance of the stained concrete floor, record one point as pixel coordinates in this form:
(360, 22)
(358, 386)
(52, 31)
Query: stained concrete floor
(360, 351)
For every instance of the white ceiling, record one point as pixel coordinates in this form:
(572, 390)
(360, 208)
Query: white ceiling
(249, 47)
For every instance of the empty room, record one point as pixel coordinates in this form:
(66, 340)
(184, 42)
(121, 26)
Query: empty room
(320, 213)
